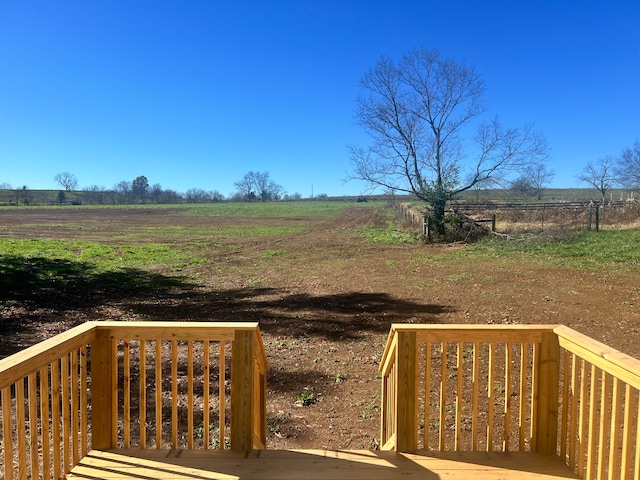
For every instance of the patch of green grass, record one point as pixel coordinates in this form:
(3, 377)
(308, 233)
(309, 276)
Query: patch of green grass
(102, 257)
(307, 208)
(307, 398)
(388, 235)
(273, 253)
(618, 249)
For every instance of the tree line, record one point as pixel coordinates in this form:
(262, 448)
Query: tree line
(252, 187)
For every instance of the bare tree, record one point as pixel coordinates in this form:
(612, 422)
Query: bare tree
(258, 186)
(66, 180)
(599, 175)
(416, 112)
(538, 176)
(628, 167)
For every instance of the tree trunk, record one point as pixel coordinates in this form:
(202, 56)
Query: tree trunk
(438, 216)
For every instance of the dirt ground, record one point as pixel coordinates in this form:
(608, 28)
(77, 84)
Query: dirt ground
(325, 299)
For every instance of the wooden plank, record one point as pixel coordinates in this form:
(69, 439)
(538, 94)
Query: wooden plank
(167, 330)
(427, 394)
(7, 434)
(636, 475)
(443, 397)
(472, 333)
(101, 409)
(564, 417)
(34, 436)
(142, 394)
(158, 392)
(190, 394)
(628, 429)
(507, 398)
(612, 361)
(241, 394)
(66, 414)
(206, 391)
(459, 393)
(522, 416)
(21, 364)
(55, 419)
(614, 429)
(490, 399)
(583, 418)
(475, 396)
(222, 395)
(84, 404)
(174, 393)
(320, 465)
(593, 426)
(549, 377)
(114, 390)
(126, 404)
(604, 418)
(45, 395)
(573, 426)
(74, 424)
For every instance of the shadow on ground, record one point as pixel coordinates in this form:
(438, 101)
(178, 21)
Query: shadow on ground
(35, 292)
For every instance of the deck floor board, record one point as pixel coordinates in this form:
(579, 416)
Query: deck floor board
(316, 465)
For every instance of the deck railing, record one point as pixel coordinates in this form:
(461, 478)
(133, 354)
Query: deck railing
(109, 385)
(505, 388)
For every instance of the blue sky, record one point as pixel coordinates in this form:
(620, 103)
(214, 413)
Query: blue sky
(194, 94)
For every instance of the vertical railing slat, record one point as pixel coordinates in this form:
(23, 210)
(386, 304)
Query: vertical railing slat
(443, 396)
(604, 418)
(490, 395)
(190, 394)
(34, 437)
(66, 417)
(75, 409)
(627, 438)
(126, 389)
(158, 392)
(55, 417)
(174, 394)
(475, 396)
(564, 413)
(614, 429)
(583, 417)
(45, 396)
(206, 392)
(427, 393)
(573, 430)
(142, 394)
(458, 404)
(84, 422)
(507, 397)
(7, 433)
(591, 447)
(522, 417)
(222, 396)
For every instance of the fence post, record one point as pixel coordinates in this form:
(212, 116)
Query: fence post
(597, 217)
(242, 383)
(102, 392)
(548, 366)
(493, 222)
(407, 391)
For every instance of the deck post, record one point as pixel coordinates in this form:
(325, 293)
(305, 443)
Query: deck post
(548, 366)
(101, 391)
(407, 391)
(242, 397)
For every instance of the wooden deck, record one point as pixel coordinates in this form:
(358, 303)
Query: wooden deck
(316, 465)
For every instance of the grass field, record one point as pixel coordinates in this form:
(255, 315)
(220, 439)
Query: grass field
(324, 279)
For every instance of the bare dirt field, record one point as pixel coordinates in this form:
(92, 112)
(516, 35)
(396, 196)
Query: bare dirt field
(324, 296)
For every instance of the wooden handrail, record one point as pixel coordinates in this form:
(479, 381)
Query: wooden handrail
(79, 390)
(544, 388)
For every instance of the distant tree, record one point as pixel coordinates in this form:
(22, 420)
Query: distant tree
(258, 186)
(155, 193)
(522, 186)
(599, 175)
(95, 194)
(24, 195)
(140, 188)
(216, 197)
(61, 197)
(538, 176)
(5, 186)
(628, 167)
(295, 196)
(416, 113)
(122, 192)
(66, 180)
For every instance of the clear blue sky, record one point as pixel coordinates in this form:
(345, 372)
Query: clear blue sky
(194, 94)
